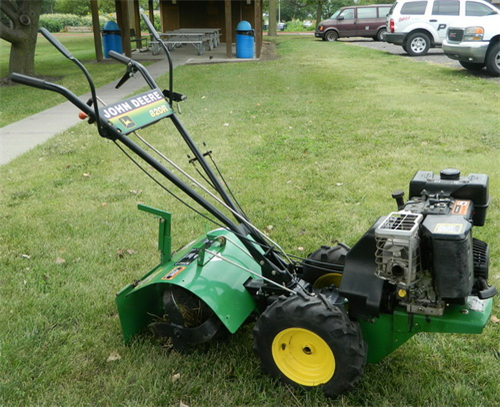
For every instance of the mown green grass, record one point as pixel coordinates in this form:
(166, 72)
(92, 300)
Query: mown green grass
(312, 143)
(19, 102)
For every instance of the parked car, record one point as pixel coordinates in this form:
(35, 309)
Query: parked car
(354, 21)
(475, 44)
(418, 25)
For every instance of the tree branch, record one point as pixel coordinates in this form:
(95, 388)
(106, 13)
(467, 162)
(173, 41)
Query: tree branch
(9, 9)
(8, 33)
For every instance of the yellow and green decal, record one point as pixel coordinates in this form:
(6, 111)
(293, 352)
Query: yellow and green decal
(136, 112)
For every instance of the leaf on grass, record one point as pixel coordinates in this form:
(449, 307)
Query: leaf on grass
(113, 357)
(495, 319)
(121, 253)
(60, 260)
(176, 377)
(86, 175)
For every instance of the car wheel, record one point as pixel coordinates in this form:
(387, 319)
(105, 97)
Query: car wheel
(471, 66)
(331, 35)
(380, 35)
(493, 59)
(418, 44)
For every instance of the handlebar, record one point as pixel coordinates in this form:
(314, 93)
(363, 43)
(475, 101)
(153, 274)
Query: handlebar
(119, 57)
(41, 84)
(55, 42)
(30, 81)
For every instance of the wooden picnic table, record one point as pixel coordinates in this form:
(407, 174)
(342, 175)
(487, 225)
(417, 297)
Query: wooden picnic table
(173, 39)
(197, 37)
(212, 33)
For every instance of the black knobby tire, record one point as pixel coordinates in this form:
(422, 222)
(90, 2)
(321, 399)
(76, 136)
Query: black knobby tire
(493, 59)
(297, 339)
(471, 66)
(331, 35)
(417, 44)
(319, 268)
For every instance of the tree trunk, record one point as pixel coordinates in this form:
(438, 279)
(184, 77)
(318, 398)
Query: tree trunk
(21, 33)
(273, 6)
(319, 11)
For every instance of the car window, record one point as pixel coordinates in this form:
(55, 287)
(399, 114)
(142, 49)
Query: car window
(446, 8)
(414, 7)
(393, 7)
(473, 8)
(334, 15)
(383, 11)
(348, 14)
(367, 12)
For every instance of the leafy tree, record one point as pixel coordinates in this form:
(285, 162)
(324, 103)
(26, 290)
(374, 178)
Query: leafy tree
(48, 6)
(19, 26)
(80, 8)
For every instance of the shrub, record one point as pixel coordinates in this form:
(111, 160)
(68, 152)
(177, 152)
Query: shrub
(57, 22)
(156, 23)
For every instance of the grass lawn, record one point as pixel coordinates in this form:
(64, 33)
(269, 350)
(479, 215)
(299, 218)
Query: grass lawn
(312, 143)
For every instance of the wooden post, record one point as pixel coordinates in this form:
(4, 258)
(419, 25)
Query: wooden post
(258, 27)
(151, 12)
(229, 29)
(125, 26)
(137, 23)
(96, 28)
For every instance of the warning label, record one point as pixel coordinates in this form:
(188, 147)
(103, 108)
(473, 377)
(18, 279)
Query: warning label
(173, 273)
(448, 228)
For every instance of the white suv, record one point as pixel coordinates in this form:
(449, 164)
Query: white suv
(418, 25)
(475, 44)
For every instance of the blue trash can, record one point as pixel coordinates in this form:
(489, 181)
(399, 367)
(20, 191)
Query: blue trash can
(244, 40)
(111, 38)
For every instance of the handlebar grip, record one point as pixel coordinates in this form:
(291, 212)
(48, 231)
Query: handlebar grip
(55, 42)
(119, 57)
(29, 81)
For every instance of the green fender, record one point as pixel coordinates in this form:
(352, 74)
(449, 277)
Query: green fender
(197, 268)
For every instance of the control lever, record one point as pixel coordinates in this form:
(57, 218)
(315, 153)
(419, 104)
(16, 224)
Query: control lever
(131, 70)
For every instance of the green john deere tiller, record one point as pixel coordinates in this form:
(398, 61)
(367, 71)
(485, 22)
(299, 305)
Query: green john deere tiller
(319, 320)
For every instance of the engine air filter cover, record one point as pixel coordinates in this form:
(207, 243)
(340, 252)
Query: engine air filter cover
(449, 240)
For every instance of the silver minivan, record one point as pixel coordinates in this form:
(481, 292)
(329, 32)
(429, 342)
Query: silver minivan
(355, 21)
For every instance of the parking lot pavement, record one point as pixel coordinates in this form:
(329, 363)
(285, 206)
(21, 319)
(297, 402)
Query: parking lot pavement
(434, 56)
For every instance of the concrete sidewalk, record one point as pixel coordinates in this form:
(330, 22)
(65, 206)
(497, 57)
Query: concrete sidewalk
(20, 137)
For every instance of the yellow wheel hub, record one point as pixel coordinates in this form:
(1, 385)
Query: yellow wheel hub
(328, 279)
(303, 356)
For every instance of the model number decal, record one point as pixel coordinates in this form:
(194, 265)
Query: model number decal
(158, 111)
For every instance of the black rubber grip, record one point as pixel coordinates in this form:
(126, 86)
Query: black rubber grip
(28, 80)
(53, 40)
(119, 57)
